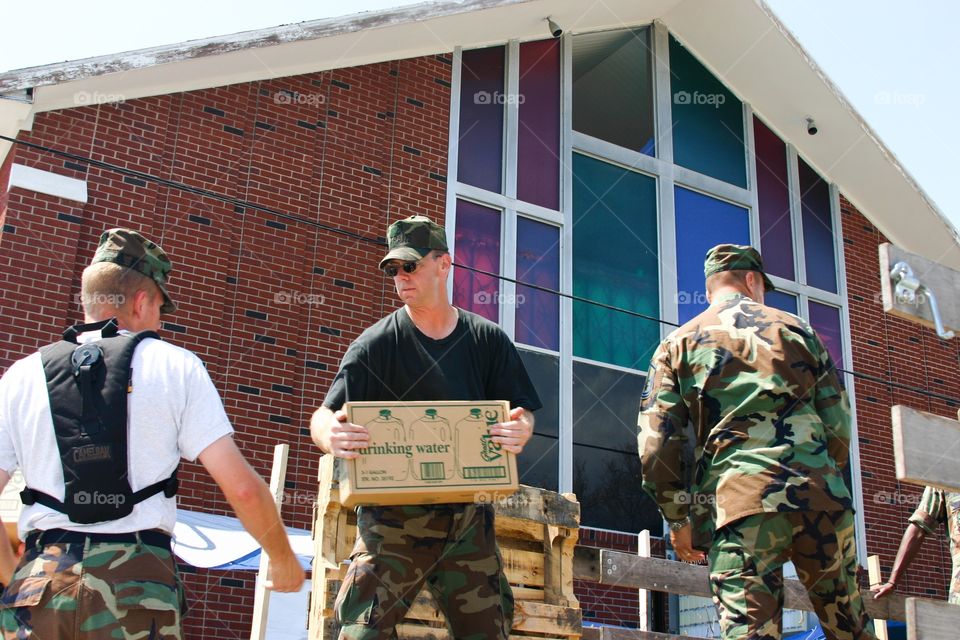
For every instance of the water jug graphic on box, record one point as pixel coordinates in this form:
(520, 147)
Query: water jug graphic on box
(435, 445)
(478, 457)
(387, 436)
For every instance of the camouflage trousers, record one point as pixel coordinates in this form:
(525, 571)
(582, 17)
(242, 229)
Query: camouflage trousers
(96, 591)
(746, 573)
(450, 548)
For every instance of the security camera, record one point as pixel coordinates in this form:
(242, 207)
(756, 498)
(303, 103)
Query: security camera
(555, 30)
(811, 127)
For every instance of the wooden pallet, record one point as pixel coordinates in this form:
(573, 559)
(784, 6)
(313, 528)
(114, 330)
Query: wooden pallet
(537, 531)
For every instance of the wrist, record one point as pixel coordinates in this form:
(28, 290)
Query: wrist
(676, 525)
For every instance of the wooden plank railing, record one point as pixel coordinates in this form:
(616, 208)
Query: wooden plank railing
(656, 574)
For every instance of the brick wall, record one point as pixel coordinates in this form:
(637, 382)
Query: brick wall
(892, 349)
(269, 302)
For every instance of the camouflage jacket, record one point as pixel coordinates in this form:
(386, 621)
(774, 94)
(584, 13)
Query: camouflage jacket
(753, 392)
(938, 506)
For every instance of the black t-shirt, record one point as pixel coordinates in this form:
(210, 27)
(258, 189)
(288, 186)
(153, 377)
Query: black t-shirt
(394, 361)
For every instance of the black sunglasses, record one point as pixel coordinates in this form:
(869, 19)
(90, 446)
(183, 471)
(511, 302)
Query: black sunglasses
(408, 267)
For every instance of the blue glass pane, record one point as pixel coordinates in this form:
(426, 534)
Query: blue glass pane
(480, 155)
(702, 222)
(615, 262)
(538, 263)
(818, 246)
(781, 300)
(707, 120)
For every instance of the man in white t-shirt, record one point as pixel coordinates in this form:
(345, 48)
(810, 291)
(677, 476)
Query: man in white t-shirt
(118, 578)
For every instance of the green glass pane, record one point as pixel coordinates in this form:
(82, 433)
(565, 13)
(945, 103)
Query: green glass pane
(707, 120)
(615, 262)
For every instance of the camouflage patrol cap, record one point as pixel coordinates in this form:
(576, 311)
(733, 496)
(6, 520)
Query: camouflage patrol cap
(413, 238)
(735, 257)
(128, 248)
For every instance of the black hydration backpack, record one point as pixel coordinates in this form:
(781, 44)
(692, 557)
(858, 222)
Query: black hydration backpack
(88, 386)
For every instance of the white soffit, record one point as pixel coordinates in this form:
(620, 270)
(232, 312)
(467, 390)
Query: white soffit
(745, 44)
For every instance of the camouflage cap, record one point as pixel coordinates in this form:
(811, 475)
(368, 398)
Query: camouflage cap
(735, 257)
(414, 238)
(128, 248)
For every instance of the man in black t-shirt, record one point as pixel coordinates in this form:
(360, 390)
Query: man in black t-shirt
(426, 350)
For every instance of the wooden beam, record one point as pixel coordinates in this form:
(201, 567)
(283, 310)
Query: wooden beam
(627, 570)
(931, 619)
(876, 577)
(261, 597)
(925, 448)
(934, 277)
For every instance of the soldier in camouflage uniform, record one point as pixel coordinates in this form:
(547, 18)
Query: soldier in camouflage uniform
(117, 578)
(752, 390)
(936, 506)
(425, 350)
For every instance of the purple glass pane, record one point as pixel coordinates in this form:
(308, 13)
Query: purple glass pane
(478, 246)
(776, 233)
(538, 141)
(817, 230)
(825, 321)
(538, 263)
(482, 98)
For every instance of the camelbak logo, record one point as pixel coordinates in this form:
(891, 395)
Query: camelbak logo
(92, 453)
(85, 497)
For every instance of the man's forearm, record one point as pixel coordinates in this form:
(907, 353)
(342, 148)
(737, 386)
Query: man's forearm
(909, 546)
(320, 428)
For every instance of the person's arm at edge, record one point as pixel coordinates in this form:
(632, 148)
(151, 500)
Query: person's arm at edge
(250, 499)
(909, 546)
(8, 561)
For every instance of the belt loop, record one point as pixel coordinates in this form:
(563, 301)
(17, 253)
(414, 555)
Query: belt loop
(38, 542)
(139, 546)
(86, 545)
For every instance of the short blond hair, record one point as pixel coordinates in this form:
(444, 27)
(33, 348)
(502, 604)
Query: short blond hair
(734, 278)
(106, 288)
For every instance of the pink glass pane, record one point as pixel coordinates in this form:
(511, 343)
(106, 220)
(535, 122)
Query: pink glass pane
(825, 320)
(776, 232)
(538, 142)
(482, 97)
(538, 263)
(478, 246)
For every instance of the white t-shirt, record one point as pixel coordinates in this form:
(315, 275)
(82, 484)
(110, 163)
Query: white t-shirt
(173, 411)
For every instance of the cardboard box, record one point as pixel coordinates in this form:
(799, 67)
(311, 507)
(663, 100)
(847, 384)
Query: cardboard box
(427, 453)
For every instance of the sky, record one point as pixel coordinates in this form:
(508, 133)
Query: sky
(893, 60)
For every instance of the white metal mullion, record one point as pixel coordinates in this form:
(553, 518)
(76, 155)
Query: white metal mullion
(751, 146)
(666, 218)
(508, 268)
(847, 342)
(453, 149)
(796, 214)
(565, 441)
